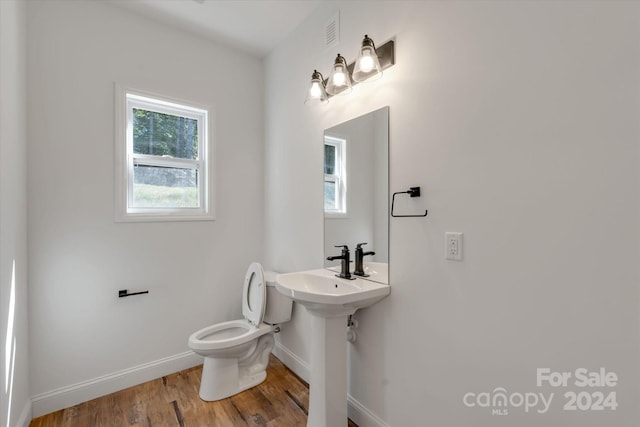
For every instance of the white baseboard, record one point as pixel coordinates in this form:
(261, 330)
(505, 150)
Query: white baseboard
(360, 414)
(74, 394)
(292, 361)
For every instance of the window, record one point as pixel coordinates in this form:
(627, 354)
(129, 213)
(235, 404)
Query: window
(335, 176)
(162, 159)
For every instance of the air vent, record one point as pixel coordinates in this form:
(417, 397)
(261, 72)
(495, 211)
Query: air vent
(332, 30)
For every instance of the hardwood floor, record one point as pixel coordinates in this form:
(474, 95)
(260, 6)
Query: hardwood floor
(280, 401)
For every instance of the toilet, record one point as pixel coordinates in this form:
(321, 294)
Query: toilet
(236, 353)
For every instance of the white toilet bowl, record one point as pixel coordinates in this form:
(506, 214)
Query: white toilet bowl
(236, 353)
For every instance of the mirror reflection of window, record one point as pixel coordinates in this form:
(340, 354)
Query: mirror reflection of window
(335, 175)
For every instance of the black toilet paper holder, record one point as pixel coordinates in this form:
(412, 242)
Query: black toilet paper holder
(125, 293)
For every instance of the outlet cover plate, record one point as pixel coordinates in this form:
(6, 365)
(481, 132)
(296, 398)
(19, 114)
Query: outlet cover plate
(453, 246)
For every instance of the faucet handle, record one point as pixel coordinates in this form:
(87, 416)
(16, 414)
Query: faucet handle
(360, 245)
(344, 247)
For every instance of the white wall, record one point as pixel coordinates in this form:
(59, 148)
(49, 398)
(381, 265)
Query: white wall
(81, 332)
(519, 122)
(15, 399)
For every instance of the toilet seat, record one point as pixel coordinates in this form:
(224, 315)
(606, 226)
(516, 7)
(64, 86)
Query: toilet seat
(254, 294)
(227, 334)
(237, 332)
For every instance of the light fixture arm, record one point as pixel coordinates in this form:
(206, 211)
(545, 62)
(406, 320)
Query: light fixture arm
(367, 41)
(340, 60)
(318, 75)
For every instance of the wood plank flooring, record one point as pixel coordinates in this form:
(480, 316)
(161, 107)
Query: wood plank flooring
(280, 401)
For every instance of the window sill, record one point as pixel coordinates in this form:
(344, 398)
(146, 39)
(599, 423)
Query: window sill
(335, 215)
(163, 217)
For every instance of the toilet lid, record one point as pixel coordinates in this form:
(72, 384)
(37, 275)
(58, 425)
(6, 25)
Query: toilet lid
(254, 294)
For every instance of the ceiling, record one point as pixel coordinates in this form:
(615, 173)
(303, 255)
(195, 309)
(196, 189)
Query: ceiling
(254, 26)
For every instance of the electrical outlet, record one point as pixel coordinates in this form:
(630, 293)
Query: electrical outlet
(453, 245)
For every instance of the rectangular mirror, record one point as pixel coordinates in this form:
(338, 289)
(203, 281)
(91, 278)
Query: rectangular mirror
(356, 191)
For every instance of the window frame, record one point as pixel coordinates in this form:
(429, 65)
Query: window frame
(339, 177)
(127, 100)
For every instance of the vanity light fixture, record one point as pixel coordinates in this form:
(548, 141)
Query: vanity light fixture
(339, 81)
(368, 66)
(316, 93)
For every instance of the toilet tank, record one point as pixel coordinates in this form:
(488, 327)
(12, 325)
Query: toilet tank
(278, 307)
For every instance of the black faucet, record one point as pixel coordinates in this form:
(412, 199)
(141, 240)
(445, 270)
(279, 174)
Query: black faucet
(359, 271)
(345, 257)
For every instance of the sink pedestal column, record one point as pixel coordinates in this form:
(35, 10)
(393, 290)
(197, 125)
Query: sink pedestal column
(328, 379)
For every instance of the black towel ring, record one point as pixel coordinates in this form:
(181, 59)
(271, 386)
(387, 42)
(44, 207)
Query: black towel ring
(412, 192)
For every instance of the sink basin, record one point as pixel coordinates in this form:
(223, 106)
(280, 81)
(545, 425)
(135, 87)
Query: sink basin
(377, 271)
(321, 292)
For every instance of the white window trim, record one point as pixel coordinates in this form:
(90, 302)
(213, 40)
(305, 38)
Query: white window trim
(340, 177)
(125, 158)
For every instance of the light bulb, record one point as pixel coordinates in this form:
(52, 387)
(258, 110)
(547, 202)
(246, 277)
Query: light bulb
(338, 77)
(366, 62)
(315, 90)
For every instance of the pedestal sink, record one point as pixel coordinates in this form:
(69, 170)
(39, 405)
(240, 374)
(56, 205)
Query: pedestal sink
(329, 300)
